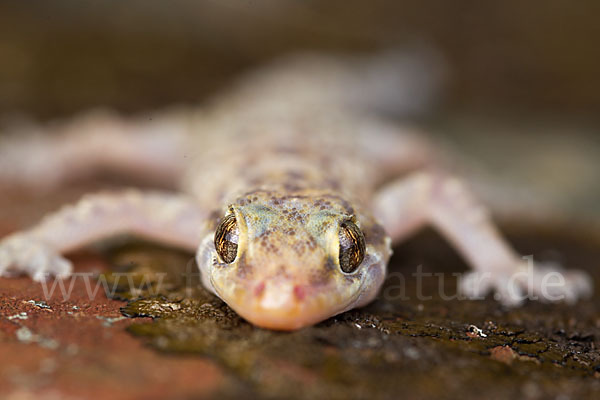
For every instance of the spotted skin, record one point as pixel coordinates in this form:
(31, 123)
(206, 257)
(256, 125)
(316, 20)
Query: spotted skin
(287, 272)
(291, 154)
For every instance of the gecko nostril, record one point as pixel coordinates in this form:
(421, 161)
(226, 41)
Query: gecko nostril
(299, 292)
(259, 289)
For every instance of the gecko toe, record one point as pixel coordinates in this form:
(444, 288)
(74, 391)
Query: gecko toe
(582, 283)
(474, 285)
(62, 268)
(20, 253)
(47, 264)
(552, 283)
(546, 282)
(507, 291)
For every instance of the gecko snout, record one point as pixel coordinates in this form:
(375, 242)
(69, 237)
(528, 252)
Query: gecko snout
(282, 304)
(279, 296)
(299, 291)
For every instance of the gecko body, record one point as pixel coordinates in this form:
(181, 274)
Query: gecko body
(292, 192)
(288, 270)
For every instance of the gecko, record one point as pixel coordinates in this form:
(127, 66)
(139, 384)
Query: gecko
(292, 187)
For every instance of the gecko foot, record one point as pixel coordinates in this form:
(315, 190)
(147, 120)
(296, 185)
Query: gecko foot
(547, 282)
(20, 253)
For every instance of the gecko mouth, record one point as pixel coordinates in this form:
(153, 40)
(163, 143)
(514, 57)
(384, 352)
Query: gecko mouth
(285, 306)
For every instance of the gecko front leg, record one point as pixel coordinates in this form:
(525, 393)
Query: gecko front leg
(163, 217)
(42, 157)
(445, 203)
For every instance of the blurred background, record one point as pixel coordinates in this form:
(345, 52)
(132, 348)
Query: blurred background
(62, 56)
(520, 99)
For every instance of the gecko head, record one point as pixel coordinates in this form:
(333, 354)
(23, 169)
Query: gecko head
(288, 261)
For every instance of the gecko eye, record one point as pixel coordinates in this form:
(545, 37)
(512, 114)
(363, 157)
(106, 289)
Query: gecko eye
(352, 247)
(226, 239)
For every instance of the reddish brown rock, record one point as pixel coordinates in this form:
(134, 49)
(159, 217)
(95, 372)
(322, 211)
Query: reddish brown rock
(79, 348)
